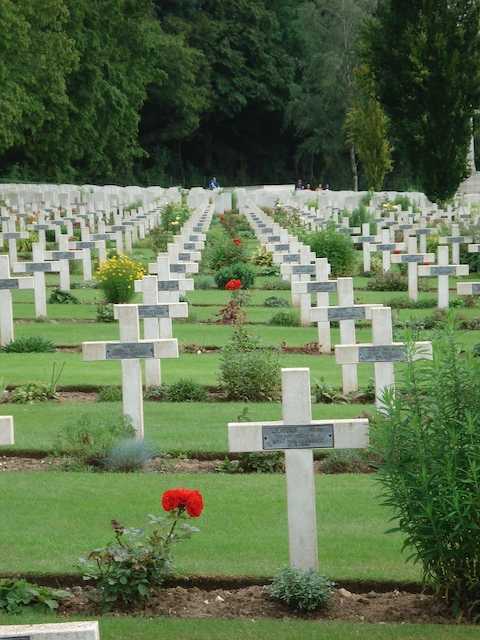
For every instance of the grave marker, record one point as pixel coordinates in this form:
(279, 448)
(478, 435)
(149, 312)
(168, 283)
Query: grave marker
(297, 435)
(383, 353)
(53, 631)
(39, 268)
(7, 436)
(7, 285)
(442, 271)
(130, 349)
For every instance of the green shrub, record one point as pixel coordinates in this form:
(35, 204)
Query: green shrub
(105, 312)
(90, 439)
(273, 270)
(254, 463)
(275, 301)
(205, 282)
(285, 319)
(249, 371)
(223, 250)
(403, 302)
(156, 393)
(128, 456)
(238, 271)
(109, 394)
(159, 239)
(17, 595)
(336, 247)
(301, 590)
(29, 344)
(276, 284)
(429, 439)
(389, 281)
(174, 217)
(186, 390)
(62, 297)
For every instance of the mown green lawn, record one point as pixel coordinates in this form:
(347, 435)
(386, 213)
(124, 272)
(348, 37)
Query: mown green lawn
(137, 628)
(56, 517)
(169, 426)
(18, 368)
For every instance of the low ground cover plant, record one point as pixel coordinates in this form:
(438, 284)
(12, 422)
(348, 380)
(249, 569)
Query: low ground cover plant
(62, 297)
(301, 590)
(236, 271)
(109, 393)
(285, 319)
(128, 456)
(254, 463)
(429, 439)
(105, 312)
(29, 344)
(137, 561)
(275, 301)
(18, 595)
(89, 440)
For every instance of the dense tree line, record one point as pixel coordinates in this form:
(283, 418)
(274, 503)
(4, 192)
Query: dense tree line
(253, 91)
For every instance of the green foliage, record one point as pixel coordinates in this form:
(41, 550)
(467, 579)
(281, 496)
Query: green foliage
(174, 217)
(105, 312)
(389, 281)
(275, 284)
(254, 463)
(237, 271)
(128, 456)
(432, 126)
(403, 302)
(116, 277)
(366, 127)
(62, 297)
(159, 239)
(32, 392)
(186, 390)
(90, 439)
(222, 251)
(262, 257)
(138, 560)
(18, 595)
(275, 301)
(109, 394)
(429, 438)
(285, 319)
(29, 344)
(248, 371)
(205, 282)
(156, 393)
(301, 590)
(336, 247)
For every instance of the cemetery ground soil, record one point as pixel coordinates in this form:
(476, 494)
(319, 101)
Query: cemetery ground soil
(138, 628)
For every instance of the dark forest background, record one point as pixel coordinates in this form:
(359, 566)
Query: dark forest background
(174, 91)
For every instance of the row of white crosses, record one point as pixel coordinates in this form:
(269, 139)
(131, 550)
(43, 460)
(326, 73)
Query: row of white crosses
(51, 631)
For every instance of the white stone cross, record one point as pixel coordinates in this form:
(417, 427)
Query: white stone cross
(346, 313)
(51, 631)
(298, 435)
(7, 437)
(7, 284)
(422, 234)
(368, 245)
(455, 241)
(157, 321)
(323, 287)
(382, 353)
(442, 270)
(387, 248)
(176, 271)
(130, 349)
(12, 237)
(63, 255)
(39, 267)
(412, 259)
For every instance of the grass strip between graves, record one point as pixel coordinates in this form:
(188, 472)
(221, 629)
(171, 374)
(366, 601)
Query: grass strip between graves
(137, 628)
(54, 518)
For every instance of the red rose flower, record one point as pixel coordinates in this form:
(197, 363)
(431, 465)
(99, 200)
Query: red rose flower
(188, 500)
(233, 285)
(397, 251)
(237, 241)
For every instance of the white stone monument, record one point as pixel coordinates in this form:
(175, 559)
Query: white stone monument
(442, 271)
(7, 284)
(298, 435)
(7, 434)
(53, 631)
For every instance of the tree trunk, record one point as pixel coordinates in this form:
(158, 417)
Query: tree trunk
(353, 161)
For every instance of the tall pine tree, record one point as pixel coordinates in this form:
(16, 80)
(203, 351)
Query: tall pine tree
(425, 57)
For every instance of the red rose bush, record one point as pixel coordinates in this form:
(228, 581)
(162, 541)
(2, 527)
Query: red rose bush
(128, 570)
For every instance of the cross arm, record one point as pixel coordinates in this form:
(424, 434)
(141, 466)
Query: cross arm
(468, 288)
(353, 312)
(118, 350)
(275, 436)
(395, 352)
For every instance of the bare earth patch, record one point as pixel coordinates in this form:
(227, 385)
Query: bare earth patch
(253, 602)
